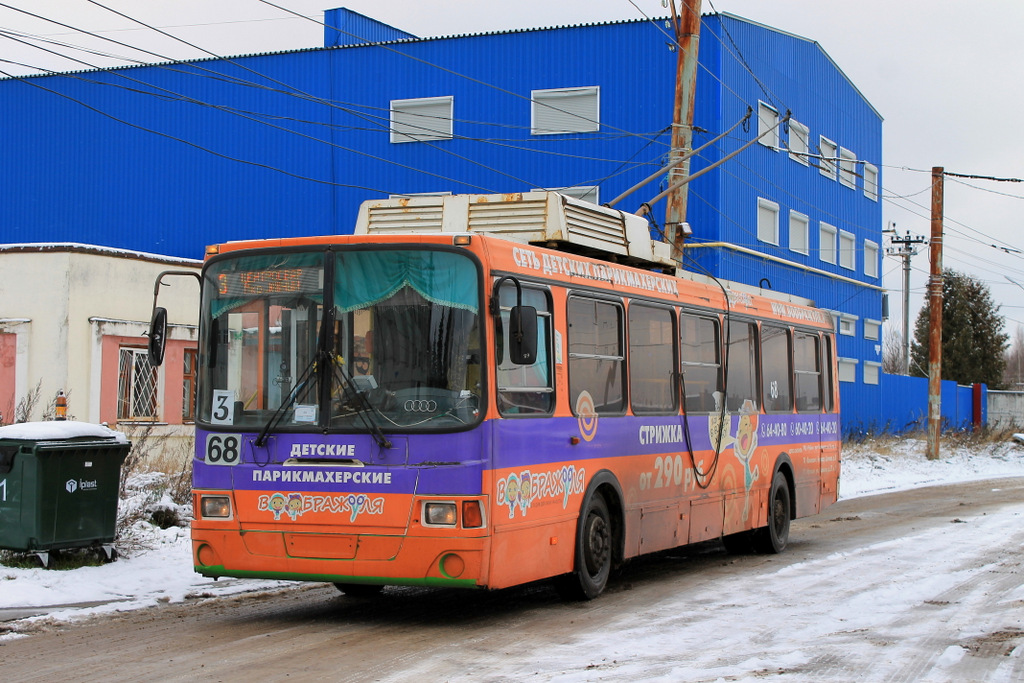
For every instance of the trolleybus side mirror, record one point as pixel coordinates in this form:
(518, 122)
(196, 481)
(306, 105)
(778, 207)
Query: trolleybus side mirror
(522, 335)
(157, 336)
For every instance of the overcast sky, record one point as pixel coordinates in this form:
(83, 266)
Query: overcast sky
(944, 75)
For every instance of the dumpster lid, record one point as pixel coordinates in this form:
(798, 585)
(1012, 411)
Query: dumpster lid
(59, 430)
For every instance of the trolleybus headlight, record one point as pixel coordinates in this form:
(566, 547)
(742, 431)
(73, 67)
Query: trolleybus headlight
(440, 514)
(216, 506)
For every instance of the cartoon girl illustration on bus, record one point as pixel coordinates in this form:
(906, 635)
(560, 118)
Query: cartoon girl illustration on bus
(294, 505)
(276, 504)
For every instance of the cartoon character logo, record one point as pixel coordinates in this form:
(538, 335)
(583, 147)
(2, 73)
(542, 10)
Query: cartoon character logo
(276, 504)
(516, 492)
(587, 415)
(294, 508)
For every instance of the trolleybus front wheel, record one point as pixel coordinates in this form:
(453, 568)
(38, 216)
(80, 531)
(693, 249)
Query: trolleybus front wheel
(593, 554)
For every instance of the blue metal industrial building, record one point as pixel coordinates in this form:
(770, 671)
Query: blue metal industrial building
(170, 157)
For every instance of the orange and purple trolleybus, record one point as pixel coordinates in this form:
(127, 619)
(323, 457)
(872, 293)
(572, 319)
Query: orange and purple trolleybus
(489, 390)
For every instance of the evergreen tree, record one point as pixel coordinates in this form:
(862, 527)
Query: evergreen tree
(973, 341)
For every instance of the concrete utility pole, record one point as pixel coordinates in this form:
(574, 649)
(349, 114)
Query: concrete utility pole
(908, 248)
(687, 33)
(935, 319)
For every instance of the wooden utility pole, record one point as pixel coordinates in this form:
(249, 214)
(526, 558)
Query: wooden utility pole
(687, 33)
(935, 319)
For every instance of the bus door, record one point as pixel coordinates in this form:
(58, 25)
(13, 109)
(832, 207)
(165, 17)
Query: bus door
(811, 400)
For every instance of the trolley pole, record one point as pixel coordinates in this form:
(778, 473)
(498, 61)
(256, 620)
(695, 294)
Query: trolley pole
(935, 319)
(687, 34)
(908, 248)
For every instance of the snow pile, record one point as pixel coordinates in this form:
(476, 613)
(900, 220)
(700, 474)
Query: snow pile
(881, 466)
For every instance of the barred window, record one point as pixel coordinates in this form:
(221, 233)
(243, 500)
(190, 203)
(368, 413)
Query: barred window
(136, 385)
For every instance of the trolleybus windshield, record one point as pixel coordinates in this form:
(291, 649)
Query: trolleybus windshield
(353, 340)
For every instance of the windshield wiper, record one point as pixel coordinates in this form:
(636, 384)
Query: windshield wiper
(363, 408)
(289, 401)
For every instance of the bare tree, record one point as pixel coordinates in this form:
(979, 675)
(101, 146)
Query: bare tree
(1013, 374)
(27, 405)
(892, 351)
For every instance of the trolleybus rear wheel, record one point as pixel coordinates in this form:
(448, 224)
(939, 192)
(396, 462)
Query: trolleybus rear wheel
(774, 537)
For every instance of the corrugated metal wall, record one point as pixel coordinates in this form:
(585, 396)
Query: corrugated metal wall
(169, 158)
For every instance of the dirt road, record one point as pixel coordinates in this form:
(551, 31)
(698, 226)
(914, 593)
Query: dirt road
(312, 633)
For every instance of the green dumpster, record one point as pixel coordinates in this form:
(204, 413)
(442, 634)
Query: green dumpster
(59, 493)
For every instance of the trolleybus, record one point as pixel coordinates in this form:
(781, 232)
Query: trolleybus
(484, 391)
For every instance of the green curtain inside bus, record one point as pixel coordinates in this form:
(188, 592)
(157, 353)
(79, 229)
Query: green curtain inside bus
(363, 278)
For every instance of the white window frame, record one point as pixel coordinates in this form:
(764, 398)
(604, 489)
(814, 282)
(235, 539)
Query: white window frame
(872, 372)
(871, 182)
(799, 142)
(799, 224)
(847, 369)
(872, 329)
(557, 111)
(763, 206)
(422, 119)
(847, 250)
(768, 120)
(847, 168)
(829, 157)
(828, 256)
(846, 324)
(871, 258)
(585, 193)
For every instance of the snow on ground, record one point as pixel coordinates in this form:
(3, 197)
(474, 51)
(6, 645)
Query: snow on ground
(163, 571)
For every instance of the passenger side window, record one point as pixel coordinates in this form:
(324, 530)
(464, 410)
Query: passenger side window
(525, 389)
(777, 396)
(652, 353)
(700, 363)
(595, 342)
(741, 383)
(807, 372)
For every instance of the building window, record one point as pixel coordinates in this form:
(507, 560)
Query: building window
(871, 182)
(872, 330)
(767, 221)
(768, 122)
(426, 118)
(565, 110)
(136, 385)
(872, 371)
(847, 168)
(799, 232)
(586, 193)
(799, 142)
(828, 157)
(847, 369)
(827, 237)
(870, 258)
(188, 385)
(847, 250)
(847, 325)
